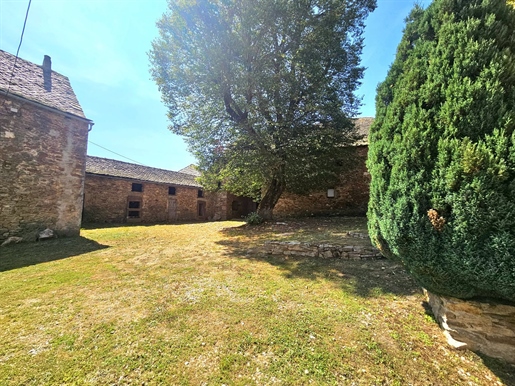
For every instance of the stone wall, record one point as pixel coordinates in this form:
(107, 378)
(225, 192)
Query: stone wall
(335, 251)
(351, 194)
(106, 199)
(484, 326)
(238, 207)
(42, 163)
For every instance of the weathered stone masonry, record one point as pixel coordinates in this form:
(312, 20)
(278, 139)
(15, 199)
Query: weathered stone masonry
(42, 160)
(42, 153)
(118, 192)
(107, 199)
(350, 194)
(348, 251)
(479, 325)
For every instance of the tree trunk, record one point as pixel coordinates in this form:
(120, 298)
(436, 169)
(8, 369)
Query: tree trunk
(272, 194)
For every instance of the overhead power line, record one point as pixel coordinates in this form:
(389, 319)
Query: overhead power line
(18, 50)
(118, 154)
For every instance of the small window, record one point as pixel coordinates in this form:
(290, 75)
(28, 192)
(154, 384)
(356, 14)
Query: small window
(137, 187)
(171, 190)
(200, 193)
(134, 208)
(330, 193)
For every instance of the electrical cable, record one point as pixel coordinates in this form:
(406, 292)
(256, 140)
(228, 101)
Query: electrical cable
(18, 50)
(96, 144)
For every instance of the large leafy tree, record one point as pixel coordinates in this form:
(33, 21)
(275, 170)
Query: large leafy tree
(262, 90)
(442, 150)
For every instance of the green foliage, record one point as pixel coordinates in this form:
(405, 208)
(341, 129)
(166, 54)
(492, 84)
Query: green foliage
(253, 219)
(442, 150)
(262, 90)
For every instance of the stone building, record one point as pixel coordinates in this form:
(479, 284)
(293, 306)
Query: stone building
(348, 198)
(118, 192)
(43, 141)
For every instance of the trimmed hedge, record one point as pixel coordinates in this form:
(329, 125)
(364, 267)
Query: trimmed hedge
(442, 150)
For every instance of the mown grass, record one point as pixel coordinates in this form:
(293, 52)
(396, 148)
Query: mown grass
(188, 305)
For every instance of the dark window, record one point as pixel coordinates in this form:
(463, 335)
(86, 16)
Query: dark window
(171, 190)
(137, 187)
(200, 193)
(134, 207)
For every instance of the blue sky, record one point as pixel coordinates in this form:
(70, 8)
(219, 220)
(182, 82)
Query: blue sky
(102, 45)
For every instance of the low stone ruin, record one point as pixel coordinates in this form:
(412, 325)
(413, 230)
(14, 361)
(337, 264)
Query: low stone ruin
(328, 251)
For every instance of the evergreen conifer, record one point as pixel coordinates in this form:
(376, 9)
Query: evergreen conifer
(442, 150)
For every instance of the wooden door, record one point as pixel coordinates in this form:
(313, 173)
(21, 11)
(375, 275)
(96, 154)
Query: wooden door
(172, 209)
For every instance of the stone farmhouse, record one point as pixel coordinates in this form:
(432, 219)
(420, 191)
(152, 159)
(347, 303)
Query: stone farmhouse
(43, 143)
(348, 198)
(117, 192)
(47, 182)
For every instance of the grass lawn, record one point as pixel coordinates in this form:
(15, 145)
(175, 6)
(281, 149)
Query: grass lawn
(188, 305)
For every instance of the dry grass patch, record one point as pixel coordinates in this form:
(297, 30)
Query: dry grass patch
(187, 304)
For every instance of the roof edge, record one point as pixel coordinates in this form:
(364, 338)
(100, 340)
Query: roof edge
(143, 180)
(43, 106)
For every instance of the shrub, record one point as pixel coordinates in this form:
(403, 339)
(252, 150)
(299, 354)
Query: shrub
(442, 150)
(253, 219)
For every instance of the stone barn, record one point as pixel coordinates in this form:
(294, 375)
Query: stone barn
(43, 143)
(119, 192)
(348, 198)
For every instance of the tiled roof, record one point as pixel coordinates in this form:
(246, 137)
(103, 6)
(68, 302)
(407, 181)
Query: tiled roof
(29, 82)
(190, 169)
(113, 168)
(363, 125)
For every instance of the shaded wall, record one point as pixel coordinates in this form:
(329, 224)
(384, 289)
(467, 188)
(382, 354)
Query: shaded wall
(351, 193)
(42, 163)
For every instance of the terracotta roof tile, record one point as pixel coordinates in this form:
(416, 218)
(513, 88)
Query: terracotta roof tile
(114, 168)
(29, 82)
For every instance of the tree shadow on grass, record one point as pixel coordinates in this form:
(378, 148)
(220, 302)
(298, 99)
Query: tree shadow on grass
(25, 254)
(364, 278)
(503, 370)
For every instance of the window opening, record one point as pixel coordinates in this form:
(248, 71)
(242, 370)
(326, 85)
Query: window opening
(200, 193)
(171, 190)
(134, 204)
(137, 187)
(133, 208)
